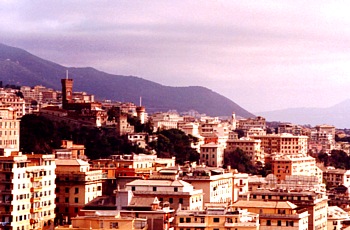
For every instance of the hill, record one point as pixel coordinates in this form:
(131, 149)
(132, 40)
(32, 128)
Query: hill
(337, 115)
(19, 67)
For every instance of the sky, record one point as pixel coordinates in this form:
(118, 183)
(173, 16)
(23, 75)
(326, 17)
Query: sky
(263, 55)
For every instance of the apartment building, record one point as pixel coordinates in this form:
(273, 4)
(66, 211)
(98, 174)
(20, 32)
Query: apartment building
(276, 214)
(283, 143)
(216, 217)
(178, 193)
(76, 185)
(69, 150)
(167, 120)
(297, 164)
(211, 154)
(335, 218)
(9, 129)
(249, 123)
(251, 147)
(27, 184)
(290, 128)
(335, 177)
(216, 183)
(322, 138)
(106, 219)
(303, 191)
(11, 100)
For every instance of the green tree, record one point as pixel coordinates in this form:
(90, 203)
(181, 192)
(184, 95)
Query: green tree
(239, 160)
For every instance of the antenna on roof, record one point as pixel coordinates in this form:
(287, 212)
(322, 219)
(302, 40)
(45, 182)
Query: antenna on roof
(140, 101)
(67, 74)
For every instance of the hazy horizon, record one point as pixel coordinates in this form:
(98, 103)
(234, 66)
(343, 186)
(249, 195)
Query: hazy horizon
(264, 56)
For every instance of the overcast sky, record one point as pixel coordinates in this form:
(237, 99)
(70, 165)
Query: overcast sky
(263, 55)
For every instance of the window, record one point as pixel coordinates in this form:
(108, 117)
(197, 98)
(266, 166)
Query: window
(181, 220)
(76, 200)
(202, 220)
(279, 223)
(66, 190)
(76, 190)
(154, 189)
(268, 222)
(216, 220)
(171, 200)
(76, 210)
(133, 188)
(66, 200)
(188, 220)
(175, 189)
(181, 201)
(113, 225)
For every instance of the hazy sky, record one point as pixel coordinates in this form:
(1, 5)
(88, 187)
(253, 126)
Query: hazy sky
(264, 55)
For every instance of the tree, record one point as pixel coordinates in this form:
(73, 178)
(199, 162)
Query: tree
(241, 161)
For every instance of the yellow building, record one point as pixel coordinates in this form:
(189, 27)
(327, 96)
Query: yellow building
(276, 214)
(27, 184)
(298, 164)
(284, 143)
(220, 218)
(76, 186)
(110, 219)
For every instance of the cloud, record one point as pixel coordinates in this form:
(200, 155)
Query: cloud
(262, 54)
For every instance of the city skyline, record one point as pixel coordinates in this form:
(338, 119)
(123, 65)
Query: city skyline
(262, 55)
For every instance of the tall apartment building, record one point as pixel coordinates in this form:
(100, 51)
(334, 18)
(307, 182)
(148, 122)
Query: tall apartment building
(249, 123)
(284, 143)
(27, 184)
(252, 147)
(322, 138)
(9, 129)
(76, 185)
(212, 155)
(298, 164)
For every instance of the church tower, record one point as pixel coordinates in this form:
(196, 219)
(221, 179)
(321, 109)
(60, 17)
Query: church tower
(67, 91)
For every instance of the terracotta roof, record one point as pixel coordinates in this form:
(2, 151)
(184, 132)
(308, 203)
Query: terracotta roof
(71, 162)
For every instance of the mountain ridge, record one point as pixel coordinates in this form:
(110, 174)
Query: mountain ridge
(20, 67)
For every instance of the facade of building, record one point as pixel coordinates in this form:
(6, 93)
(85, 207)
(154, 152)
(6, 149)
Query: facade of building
(9, 129)
(276, 214)
(212, 155)
(216, 183)
(298, 164)
(284, 143)
(219, 217)
(334, 177)
(27, 184)
(76, 185)
(177, 192)
(251, 147)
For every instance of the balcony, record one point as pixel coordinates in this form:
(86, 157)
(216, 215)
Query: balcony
(241, 224)
(34, 210)
(36, 179)
(33, 221)
(35, 199)
(192, 225)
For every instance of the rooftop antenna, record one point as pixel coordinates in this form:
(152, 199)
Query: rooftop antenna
(67, 74)
(140, 101)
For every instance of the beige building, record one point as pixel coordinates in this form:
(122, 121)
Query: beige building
(76, 186)
(334, 177)
(335, 217)
(9, 129)
(211, 154)
(10, 99)
(106, 219)
(287, 165)
(27, 184)
(178, 193)
(276, 214)
(216, 217)
(250, 146)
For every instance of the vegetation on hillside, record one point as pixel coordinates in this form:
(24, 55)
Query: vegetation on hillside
(337, 159)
